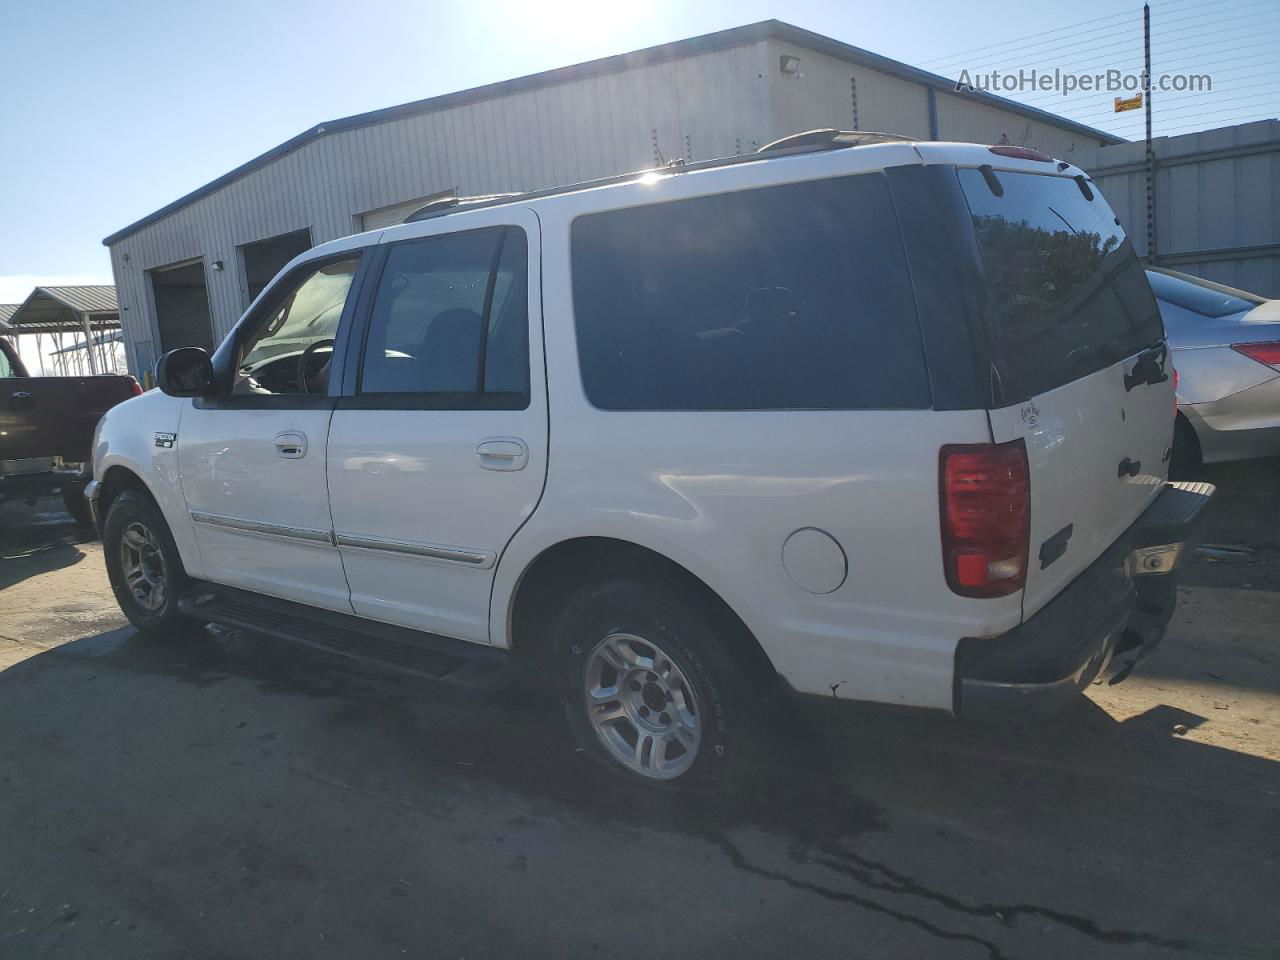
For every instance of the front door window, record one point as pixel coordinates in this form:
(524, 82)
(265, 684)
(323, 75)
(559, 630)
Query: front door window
(290, 352)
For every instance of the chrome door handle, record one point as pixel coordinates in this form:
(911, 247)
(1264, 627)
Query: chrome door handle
(502, 453)
(291, 444)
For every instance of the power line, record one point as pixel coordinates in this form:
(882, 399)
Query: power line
(1200, 13)
(1053, 46)
(1201, 48)
(1166, 112)
(1200, 58)
(1132, 41)
(1232, 86)
(1209, 69)
(1076, 35)
(1243, 93)
(1030, 36)
(1235, 116)
(1093, 115)
(1253, 46)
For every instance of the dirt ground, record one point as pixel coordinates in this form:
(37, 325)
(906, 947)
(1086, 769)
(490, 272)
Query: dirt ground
(220, 795)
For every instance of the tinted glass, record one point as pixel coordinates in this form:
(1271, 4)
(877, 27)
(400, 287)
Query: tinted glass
(1068, 295)
(1198, 298)
(451, 316)
(788, 297)
(305, 318)
(6, 368)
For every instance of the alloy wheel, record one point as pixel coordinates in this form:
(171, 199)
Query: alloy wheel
(642, 706)
(142, 563)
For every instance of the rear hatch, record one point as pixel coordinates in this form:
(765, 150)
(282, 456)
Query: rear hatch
(1079, 368)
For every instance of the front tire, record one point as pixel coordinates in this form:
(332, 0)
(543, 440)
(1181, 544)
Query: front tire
(651, 690)
(143, 563)
(73, 499)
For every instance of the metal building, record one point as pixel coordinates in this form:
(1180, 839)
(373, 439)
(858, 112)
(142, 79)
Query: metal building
(186, 272)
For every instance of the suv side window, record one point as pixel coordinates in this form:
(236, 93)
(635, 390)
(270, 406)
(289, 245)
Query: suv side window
(449, 323)
(6, 368)
(294, 342)
(788, 297)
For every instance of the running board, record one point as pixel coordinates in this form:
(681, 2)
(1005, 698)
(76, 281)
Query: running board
(397, 648)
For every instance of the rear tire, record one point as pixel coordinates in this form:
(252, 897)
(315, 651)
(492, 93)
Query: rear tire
(651, 691)
(143, 563)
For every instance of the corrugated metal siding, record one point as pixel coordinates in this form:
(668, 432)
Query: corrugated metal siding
(1217, 201)
(960, 119)
(820, 95)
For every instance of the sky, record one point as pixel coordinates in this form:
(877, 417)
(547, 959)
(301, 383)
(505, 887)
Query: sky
(111, 110)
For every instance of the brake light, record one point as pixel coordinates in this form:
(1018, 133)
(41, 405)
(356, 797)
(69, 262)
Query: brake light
(985, 492)
(1021, 153)
(135, 388)
(1176, 378)
(1268, 353)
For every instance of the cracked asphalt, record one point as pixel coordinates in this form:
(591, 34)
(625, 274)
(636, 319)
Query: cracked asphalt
(222, 795)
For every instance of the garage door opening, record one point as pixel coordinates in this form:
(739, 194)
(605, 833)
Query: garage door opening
(263, 259)
(182, 306)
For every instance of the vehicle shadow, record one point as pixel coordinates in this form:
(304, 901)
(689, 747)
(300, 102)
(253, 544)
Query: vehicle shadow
(884, 810)
(38, 539)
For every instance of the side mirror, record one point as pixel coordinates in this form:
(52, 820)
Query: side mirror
(185, 372)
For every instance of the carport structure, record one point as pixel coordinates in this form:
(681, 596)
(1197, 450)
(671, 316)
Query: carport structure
(84, 311)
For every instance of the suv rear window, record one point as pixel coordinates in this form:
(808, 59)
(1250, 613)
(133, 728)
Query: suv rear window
(788, 297)
(1068, 295)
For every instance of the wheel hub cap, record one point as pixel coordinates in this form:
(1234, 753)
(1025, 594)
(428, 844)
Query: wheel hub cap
(642, 706)
(142, 563)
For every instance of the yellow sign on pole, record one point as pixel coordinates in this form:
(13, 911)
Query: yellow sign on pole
(1130, 103)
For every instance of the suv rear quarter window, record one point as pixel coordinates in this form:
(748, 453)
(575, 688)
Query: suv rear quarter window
(788, 297)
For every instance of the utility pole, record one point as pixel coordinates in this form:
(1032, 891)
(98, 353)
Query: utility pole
(1151, 154)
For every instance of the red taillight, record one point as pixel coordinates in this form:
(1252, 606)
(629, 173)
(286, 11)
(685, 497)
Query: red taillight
(986, 517)
(1268, 353)
(1021, 153)
(135, 387)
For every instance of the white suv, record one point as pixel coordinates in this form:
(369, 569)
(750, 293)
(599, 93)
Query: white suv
(854, 417)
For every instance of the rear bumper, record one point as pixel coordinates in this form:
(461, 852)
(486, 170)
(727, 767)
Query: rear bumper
(21, 486)
(1107, 620)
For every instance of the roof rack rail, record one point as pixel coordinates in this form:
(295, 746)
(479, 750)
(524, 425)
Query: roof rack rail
(828, 138)
(811, 141)
(448, 203)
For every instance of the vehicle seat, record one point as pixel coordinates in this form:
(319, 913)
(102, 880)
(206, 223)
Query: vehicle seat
(450, 354)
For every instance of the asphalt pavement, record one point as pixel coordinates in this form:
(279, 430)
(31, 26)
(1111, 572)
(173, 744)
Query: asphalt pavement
(217, 794)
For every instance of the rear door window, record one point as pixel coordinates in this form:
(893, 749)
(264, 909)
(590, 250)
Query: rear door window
(788, 297)
(450, 319)
(1068, 295)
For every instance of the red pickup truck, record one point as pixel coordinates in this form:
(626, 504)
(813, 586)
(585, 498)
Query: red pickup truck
(46, 430)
